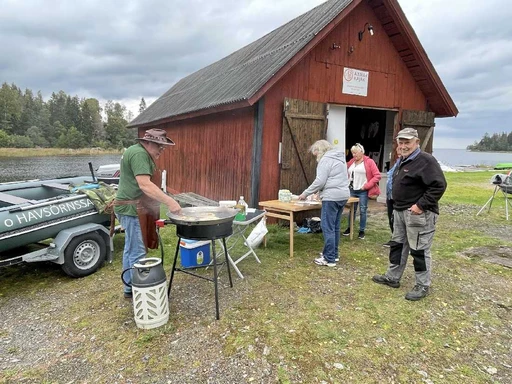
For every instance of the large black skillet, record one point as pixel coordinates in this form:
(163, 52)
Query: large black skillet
(203, 223)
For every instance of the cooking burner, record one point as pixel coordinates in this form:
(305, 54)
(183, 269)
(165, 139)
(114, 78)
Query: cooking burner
(204, 223)
(204, 232)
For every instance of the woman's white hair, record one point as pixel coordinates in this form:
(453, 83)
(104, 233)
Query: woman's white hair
(320, 147)
(357, 148)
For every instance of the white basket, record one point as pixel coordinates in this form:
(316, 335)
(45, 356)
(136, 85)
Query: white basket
(151, 306)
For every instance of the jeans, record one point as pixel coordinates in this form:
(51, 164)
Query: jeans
(134, 248)
(363, 206)
(330, 222)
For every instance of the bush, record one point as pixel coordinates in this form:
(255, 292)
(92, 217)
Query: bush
(103, 144)
(72, 138)
(17, 141)
(37, 137)
(4, 139)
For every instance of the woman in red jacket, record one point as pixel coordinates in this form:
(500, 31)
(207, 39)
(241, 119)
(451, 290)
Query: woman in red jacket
(364, 179)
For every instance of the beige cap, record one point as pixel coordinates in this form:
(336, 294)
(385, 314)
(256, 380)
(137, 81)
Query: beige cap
(407, 133)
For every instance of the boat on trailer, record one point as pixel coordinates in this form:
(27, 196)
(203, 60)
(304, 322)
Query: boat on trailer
(76, 235)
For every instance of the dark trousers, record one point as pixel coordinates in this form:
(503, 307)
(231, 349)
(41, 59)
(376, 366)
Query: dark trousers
(389, 204)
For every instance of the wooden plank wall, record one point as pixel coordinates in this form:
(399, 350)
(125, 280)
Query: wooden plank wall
(318, 77)
(212, 155)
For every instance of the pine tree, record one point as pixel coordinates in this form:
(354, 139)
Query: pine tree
(142, 105)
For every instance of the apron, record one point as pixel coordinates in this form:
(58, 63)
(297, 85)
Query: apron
(148, 211)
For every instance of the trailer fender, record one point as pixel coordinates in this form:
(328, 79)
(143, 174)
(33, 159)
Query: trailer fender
(67, 235)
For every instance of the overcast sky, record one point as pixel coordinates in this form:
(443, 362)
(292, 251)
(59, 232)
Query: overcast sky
(125, 50)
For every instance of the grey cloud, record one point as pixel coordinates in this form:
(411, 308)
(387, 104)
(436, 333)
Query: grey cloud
(123, 50)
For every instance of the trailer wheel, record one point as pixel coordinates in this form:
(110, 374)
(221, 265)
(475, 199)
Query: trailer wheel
(84, 255)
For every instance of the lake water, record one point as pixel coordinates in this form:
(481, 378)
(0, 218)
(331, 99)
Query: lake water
(462, 157)
(48, 167)
(27, 168)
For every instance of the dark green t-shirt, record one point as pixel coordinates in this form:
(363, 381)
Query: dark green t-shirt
(135, 161)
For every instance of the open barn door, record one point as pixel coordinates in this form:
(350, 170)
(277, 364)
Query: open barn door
(423, 122)
(304, 122)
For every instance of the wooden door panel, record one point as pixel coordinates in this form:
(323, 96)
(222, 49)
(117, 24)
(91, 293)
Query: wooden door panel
(304, 122)
(424, 123)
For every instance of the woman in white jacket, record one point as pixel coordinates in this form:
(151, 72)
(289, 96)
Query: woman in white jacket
(332, 184)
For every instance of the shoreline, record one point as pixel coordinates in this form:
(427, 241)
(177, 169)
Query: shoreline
(472, 160)
(39, 152)
(468, 150)
(467, 168)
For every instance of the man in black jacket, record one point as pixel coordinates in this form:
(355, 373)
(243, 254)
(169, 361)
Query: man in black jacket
(418, 185)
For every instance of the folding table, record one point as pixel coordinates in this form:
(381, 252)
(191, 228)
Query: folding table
(240, 228)
(285, 211)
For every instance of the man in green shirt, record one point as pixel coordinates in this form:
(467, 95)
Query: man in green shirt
(137, 167)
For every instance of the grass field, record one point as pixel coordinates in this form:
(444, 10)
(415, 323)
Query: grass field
(288, 321)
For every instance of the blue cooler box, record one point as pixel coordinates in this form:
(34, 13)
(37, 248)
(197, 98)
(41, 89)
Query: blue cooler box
(194, 253)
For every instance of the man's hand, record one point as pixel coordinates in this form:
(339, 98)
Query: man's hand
(174, 207)
(415, 210)
(302, 197)
(152, 191)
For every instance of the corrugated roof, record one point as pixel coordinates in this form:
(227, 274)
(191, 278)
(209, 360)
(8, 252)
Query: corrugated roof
(240, 75)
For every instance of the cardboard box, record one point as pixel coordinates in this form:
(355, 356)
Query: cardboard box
(194, 253)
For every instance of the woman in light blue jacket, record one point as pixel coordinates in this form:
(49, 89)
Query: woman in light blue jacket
(332, 184)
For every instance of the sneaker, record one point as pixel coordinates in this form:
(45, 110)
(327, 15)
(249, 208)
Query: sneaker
(347, 232)
(128, 295)
(387, 245)
(336, 259)
(417, 293)
(383, 279)
(361, 235)
(322, 261)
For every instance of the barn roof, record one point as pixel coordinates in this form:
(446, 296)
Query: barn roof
(241, 78)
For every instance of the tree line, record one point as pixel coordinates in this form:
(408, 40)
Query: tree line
(64, 121)
(496, 142)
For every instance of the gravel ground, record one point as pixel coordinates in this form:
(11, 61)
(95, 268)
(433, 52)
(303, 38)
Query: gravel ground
(31, 339)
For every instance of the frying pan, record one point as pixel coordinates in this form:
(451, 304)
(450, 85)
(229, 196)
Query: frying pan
(203, 215)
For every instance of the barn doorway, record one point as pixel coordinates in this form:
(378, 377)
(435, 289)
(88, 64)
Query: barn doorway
(372, 128)
(366, 127)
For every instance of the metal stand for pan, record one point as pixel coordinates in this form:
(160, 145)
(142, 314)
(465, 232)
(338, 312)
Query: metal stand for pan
(212, 233)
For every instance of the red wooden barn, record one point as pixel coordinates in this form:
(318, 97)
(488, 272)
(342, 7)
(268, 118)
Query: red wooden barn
(348, 71)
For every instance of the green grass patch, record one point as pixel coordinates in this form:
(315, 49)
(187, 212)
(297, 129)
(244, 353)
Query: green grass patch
(308, 323)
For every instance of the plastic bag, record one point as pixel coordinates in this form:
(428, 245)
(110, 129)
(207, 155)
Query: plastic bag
(257, 234)
(313, 224)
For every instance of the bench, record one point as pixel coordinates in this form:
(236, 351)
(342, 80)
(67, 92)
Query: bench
(10, 199)
(63, 187)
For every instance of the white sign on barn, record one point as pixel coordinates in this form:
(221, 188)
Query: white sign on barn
(355, 82)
